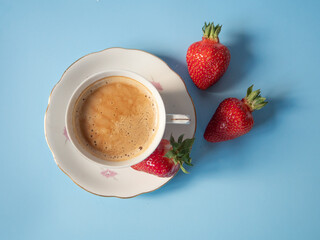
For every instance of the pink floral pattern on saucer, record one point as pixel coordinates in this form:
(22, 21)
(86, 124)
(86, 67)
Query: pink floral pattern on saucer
(109, 173)
(65, 134)
(157, 85)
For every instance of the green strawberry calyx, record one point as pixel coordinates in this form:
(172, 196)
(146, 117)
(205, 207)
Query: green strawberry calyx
(254, 100)
(180, 152)
(211, 31)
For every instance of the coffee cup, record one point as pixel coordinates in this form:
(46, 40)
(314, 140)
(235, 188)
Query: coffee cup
(161, 119)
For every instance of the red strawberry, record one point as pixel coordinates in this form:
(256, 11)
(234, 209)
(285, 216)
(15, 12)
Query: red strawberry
(165, 161)
(208, 59)
(233, 117)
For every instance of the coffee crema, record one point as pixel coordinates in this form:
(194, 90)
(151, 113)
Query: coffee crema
(115, 118)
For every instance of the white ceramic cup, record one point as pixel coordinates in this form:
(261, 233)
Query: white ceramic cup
(162, 117)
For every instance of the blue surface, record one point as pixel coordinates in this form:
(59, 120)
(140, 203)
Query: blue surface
(264, 185)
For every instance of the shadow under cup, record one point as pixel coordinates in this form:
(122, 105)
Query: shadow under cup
(158, 133)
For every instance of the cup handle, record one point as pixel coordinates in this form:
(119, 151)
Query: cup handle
(178, 119)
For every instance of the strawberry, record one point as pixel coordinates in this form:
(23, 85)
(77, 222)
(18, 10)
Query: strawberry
(165, 161)
(208, 59)
(233, 117)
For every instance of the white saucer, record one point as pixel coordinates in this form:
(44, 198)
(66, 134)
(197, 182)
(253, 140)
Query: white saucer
(99, 180)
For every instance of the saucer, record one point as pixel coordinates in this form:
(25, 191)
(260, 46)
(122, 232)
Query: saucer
(95, 178)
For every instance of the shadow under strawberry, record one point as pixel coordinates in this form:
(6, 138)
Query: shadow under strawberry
(280, 103)
(242, 62)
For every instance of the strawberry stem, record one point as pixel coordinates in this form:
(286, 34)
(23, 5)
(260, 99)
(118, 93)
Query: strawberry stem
(180, 152)
(254, 100)
(211, 31)
(184, 170)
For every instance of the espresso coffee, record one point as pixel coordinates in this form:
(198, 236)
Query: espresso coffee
(115, 118)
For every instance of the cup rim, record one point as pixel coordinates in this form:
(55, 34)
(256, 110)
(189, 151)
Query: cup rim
(94, 78)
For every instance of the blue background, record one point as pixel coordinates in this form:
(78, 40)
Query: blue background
(264, 185)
